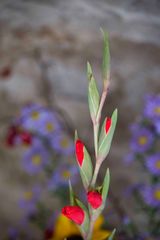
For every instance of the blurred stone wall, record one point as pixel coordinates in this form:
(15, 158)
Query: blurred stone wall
(66, 34)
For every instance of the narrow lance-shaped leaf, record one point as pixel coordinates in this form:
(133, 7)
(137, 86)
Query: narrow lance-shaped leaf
(105, 186)
(106, 58)
(103, 190)
(71, 194)
(85, 225)
(86, 170)
(93, 94)
(111, 237)
(106, 136)
(84, 162)
(76, 135)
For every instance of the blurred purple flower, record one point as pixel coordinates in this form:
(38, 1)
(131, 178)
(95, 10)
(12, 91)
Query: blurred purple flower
(29, 199)
(157, 126)
(152, 107)
(142, 139)
(51, 220)
(29, 108)
(153, 164)
(61, 176)
(134, 187)
(145, 236)
(39, 119)
(31, 116)
(129, 158)
(49, 125)
(63, 144)
(126, 220)
(13, 233)
(35, 159)
(151, 195)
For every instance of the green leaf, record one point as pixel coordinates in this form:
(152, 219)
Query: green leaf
(104, 192)
(85, 225)
(105, 186)
(93, 94)
(86, 170)
(71, 194)
(105, 140)
(112, 235)
(76, 135)
(106, 57)
(80, 204)
(89, 72)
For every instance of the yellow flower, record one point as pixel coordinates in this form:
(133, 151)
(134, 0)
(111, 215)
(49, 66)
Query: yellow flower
(66, 228)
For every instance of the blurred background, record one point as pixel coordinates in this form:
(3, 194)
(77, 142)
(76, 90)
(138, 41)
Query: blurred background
(44, 47)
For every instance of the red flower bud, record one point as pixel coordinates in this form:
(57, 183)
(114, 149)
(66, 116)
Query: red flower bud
(5, 72)
(26, 137)
(79, 152)
(11, 135)
(108, 124)
(74, 213)
(95, 199)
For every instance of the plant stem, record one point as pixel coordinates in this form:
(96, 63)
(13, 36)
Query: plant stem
(96, 171)
(96, 124)
(96, 130)
(89, 235)
(103, 98)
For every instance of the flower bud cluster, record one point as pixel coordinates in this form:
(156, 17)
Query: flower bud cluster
(77, 214)
(14, 133)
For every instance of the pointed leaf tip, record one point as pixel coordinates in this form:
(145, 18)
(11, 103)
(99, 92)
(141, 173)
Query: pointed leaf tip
(84, 227)
(111, 237)
(93, 93)
(71, 194)
(76, 135)
(115, 112)
(105, 187)
(106, 57)
(89, 71)
(106, 137)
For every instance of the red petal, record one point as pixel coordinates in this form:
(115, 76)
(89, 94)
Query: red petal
(108, 124)
(11, 135)
(95, 199)
(74, 213)
(79, 152)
